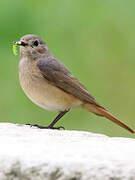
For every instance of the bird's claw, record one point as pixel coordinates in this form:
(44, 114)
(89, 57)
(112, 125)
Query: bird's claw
(46, 127)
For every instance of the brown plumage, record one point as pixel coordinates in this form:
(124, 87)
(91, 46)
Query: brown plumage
(49, 84)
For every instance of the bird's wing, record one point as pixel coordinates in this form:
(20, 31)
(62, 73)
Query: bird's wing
(58, 75)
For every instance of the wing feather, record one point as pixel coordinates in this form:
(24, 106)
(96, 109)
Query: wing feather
(58, 75)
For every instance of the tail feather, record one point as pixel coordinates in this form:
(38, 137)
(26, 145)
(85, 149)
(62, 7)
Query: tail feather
(102, 112)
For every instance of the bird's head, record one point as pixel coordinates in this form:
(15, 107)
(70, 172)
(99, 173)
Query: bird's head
(32, 46)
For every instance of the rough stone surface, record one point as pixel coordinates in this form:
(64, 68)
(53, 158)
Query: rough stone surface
(37, 154)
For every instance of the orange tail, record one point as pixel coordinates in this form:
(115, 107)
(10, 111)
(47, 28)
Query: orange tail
(102, 112)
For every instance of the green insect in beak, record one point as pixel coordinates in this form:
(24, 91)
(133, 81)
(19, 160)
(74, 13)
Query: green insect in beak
(15, 45)
(15, 49)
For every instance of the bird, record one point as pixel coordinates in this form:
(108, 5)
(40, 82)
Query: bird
(49, 84)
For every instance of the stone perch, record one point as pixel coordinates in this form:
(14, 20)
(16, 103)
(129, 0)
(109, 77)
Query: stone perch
(38, 154)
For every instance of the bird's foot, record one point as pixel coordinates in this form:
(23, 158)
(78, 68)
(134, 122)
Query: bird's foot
(45, 127)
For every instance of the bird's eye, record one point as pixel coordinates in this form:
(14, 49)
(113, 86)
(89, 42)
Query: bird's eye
(35, 43)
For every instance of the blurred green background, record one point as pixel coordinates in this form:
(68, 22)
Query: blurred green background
(94, 38)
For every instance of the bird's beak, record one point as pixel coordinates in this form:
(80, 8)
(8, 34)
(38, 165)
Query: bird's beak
(20, 43)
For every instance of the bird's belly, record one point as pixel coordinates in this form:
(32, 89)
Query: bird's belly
(48, 96)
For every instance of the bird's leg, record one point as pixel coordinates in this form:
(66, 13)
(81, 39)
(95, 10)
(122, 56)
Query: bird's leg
(51, 126)
(60, 115)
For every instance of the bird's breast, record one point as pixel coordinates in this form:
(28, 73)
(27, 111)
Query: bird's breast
(41, 91)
